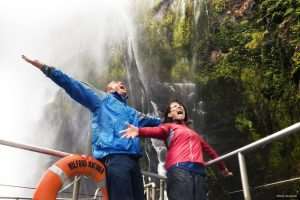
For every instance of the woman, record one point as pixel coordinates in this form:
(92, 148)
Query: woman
(184, 160)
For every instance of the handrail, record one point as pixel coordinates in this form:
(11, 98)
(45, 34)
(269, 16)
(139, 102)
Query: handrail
(56, 153)
(275, 136)
(33, 188)
(27, 198)
(153, 175)
(297, 179)
(37, 149)
(242, 163)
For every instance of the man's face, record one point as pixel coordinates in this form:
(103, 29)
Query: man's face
(177, 111)
(117, 86)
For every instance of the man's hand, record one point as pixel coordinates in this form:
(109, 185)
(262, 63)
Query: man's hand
(35, 63)
(226, 172)
(130, 132)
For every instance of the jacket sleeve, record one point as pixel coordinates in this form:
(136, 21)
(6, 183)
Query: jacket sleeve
(79, 91)
(147, 120)
(159, 132)
(212, 153)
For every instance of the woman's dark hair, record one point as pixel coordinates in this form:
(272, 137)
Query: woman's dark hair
(167, 111)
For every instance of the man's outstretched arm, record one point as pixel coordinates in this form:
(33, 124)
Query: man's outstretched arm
(78, 91)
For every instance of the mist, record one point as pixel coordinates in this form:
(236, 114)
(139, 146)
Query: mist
(58, 33)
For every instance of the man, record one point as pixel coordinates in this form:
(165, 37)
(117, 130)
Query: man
(110, 115)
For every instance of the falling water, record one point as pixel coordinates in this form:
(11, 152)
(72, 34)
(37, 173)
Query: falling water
(148, 87)
(162, 92)
(159, 147)
(72, 35)
(198, 9)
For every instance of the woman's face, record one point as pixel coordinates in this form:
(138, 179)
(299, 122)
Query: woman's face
(177, 112)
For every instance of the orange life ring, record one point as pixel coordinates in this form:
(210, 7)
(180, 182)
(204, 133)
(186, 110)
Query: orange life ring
(66, 168)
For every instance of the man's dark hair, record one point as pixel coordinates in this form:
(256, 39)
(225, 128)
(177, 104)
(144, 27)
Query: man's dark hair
(167, 111)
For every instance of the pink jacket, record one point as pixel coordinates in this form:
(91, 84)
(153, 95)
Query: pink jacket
(183, 143)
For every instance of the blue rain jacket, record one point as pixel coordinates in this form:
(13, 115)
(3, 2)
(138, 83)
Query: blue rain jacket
(110, 115)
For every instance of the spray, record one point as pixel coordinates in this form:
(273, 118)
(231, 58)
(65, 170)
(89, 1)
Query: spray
(63, 34)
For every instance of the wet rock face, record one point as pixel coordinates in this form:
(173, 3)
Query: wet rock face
(187, 93)
(215, 56)
(245, 7)
(240, 7)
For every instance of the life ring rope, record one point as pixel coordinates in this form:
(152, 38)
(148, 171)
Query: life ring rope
(60, 173)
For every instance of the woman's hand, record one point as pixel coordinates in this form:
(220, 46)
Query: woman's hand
(130, 132)
(226, 172)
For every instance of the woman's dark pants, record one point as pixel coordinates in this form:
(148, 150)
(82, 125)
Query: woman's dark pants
(186, 185)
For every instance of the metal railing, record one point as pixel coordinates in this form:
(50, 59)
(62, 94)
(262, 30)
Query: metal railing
(240, 153)
(25, 198)
(297, 179)
(151, 186)
(46, 151)
(154, 186)
(88, 196)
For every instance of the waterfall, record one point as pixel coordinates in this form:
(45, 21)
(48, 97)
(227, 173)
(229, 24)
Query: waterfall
(161, 92)
(76, 37)
(148, 87)
(159, 147)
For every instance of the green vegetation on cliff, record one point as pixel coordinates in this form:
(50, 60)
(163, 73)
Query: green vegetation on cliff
(245, 56)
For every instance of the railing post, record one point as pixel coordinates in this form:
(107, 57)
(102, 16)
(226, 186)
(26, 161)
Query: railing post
(153, 191)
(147, 193)
(88, 151)
(161, 189)
(244, 176)
(76, 188)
